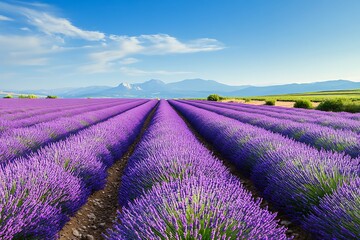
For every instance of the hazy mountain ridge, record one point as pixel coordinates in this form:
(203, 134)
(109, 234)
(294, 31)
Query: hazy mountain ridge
(194, 88)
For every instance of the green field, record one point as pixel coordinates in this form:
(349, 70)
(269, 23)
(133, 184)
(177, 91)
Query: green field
(350, 95)
(337, 101)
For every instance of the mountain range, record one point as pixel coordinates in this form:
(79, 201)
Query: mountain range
(193, 88)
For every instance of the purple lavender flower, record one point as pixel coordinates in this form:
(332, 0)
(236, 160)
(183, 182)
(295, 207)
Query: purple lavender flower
(175, 189)
(338, 215)
(196, 208)
(36, 196)
(293, 176)
(320, 137)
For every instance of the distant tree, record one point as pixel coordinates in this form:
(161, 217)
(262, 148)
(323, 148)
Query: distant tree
(334, 105)
(303, 103)
(9, 96)
(52, 97)
(31, 96)
(352, 107)
(247, 99)
(270, 102)
(339, 105)
(213, 97)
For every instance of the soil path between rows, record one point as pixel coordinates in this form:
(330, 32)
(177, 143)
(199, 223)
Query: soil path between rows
(294, 230)
(98, 214)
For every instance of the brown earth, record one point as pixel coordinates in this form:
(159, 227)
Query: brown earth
(294, 230)
(277, 103)
(98, 214)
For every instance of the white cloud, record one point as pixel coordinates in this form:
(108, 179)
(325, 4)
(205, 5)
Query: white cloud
(50, 24)
(4, 18)
(122, 47)
(10, 43)
(127, 61)
(139, 72)
(165, 44)
(44, 34)
(25, 50)
(25, 29)
(158, 44)
(53, 25)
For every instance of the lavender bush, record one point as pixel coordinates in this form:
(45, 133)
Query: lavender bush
(39, 193)
(291, 175)
(315, 135)
(173, 188)
(21, 141)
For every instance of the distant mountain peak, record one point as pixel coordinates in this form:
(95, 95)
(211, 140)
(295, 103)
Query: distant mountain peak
(125, 85)
(195, 88)
(154, 81)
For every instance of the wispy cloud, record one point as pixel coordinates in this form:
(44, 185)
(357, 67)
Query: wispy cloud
(127, 61)
(25, 50)
(50, 24)
(158, 44)
(5, 18)
(43, 34)
(25, 29)
(138, 72)
(60, 26)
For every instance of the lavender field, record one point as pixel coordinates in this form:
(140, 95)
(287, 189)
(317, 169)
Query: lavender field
(176, 169)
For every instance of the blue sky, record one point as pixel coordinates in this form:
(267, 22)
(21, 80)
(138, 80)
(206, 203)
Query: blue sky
(66, 43)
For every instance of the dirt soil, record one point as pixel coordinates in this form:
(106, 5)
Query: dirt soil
(294, 231)
(98, 214)
(277, 103)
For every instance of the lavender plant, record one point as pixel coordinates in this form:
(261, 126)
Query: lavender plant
(174, 188)
(291, 175)
(315, 135)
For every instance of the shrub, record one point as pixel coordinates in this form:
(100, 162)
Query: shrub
(339, 105)
(303, 104)
(334, 105)
(51, 97)
(352, 107)
(8, 96)
(270, 102)
(31, 96)
(213, 97)
(247, 99)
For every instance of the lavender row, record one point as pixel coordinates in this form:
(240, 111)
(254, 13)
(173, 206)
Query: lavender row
(302, 182)
(6, 125)
(59, 107)
(11, 106)
(305, 112)
(174, 188)
(21, 141)
(320, 119)
(309, 133)
(39, 193)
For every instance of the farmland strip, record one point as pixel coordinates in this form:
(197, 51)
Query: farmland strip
(173, 188)
(6, 125)
(295, 178)
(28, 106)
(46, 110)
(23, 141)
(304, 112)
(102, 205)
(312, 134)
(34, 205)
(319, 119)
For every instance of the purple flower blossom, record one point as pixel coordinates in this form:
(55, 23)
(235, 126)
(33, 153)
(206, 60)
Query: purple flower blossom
(174, 188)
(294, 177)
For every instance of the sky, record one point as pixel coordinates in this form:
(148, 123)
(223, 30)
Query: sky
(65, 43)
